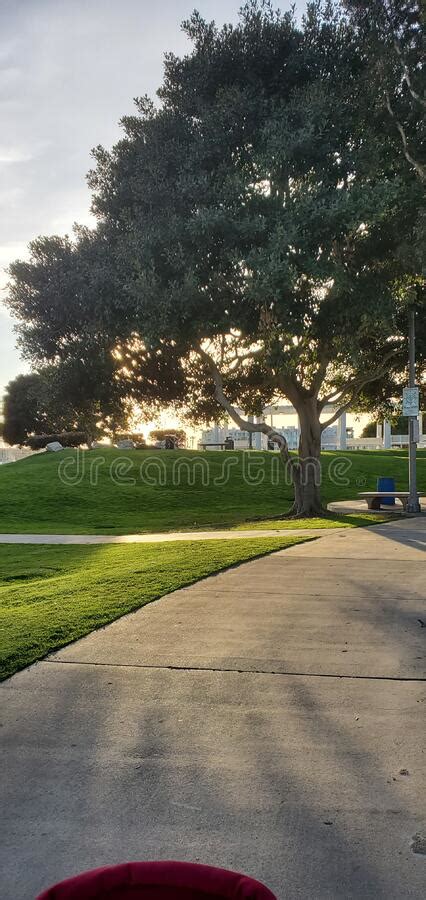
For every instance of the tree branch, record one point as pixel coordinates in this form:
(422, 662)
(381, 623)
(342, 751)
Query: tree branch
(355, 386)
(338, 395)
(373, 376)
(406, 76)
(320, 373)
(339, 411)
(240, 359)
(420, 169)
(244, 424)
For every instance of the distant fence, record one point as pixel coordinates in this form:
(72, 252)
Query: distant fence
(398, 441)
(364, 444)
(12, 454)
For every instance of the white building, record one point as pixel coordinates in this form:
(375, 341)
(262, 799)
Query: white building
(335, 437)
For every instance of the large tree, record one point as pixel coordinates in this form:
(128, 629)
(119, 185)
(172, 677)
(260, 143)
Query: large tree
(250, 235)
(258, 219)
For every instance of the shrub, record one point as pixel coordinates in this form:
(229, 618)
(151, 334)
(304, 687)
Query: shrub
(138, 439)
(66, 438)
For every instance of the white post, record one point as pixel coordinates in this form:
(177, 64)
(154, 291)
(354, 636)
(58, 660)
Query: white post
(379, 436)
(341, 432)
(257, 437)
(387, 436)
(420, 424)
(250, 434)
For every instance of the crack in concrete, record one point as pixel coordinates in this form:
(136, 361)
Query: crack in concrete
(175, 668)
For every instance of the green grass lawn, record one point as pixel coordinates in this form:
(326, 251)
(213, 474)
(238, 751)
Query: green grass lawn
(112, 491)
(51, 595)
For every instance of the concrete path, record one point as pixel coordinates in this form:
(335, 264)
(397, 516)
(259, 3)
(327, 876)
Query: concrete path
(269, 718)
(360, 506)
(160, 537)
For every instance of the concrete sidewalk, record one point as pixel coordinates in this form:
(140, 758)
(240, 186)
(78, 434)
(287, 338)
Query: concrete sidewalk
(269, 719)
(160, 537)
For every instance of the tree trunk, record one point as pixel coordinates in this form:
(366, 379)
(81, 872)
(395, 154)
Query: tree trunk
(89, 438)
(306, 472)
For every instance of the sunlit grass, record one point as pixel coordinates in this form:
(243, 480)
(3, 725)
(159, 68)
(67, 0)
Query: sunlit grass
(332, 520)
(51, 595)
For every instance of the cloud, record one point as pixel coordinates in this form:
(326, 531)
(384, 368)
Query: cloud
(14, 155)
(21, 154)
(11, 251)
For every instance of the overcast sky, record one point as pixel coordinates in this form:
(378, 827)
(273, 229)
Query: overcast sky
(68, 72)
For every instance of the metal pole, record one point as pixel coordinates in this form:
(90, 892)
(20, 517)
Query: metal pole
(413, 505)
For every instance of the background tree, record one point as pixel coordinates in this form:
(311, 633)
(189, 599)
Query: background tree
(391, 33)
(73, 318)
(25, 408)
(391, 37)
(88, 390)
(73, 396)
(399, 425)
(178, 435)
(369, 430)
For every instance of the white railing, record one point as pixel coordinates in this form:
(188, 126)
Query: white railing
(12, 454)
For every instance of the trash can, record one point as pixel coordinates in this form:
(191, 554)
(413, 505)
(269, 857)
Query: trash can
(386, 484)
(162, 880)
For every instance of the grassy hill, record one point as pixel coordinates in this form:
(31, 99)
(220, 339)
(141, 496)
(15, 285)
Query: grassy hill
(113, 491)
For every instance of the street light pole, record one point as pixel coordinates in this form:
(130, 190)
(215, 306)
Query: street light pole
(413, 504)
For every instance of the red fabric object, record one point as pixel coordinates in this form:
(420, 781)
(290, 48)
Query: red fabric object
(158, 881)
